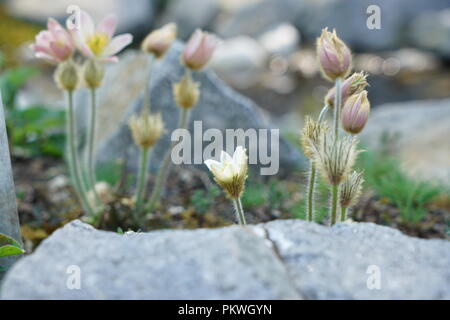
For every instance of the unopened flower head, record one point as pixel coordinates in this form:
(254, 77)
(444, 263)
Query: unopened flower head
(230, 172)
(159, 41)
(186, 92)
(199, 49)
(93, 73)
(334, 56)
(146, 129)
(67, 75)
(311, 133)
(356, 113)
(351, 189)
(98, 41)
(53, 45)
(354, 84)
(334, 158)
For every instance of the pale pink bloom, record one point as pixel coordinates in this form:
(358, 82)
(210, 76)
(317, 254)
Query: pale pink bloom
(54, 44)
(335, 58)
(98, 41)
(199, 49)
(356, 113)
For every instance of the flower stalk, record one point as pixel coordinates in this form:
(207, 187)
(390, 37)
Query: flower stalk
(141, 184)
(239, 211)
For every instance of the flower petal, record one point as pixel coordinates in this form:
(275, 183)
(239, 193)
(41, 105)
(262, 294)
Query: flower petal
(87, 26)
(107, 25)
(117, 44)
(210, 163)
(225, 157)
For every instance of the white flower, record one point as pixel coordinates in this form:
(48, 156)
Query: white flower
(230, 172)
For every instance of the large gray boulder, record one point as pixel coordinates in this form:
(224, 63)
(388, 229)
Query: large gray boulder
(219, 107)
(284, 259)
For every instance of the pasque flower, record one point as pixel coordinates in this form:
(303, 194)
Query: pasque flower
(98, 41)
(54, 44)
(311, 133)
(334, 56)
(351, 189)
(159, 41)
(355, 113)
(356, 83)
(199, 49)
(146, 129)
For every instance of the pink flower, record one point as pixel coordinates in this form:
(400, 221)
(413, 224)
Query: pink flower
(53, 45)
(98, 42)
(199, 49)
(356, 113)
(335, 58)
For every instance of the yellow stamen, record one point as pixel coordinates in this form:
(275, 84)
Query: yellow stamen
(98, 42)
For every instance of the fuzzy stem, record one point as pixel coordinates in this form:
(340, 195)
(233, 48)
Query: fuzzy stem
(90, 161)
(239, 211)
(323, 113)
(147, 87)
(343, 214)
(72, 154)
(334, 202)
(311, 185)
(141, 183)
(337, 107)
(165, 166)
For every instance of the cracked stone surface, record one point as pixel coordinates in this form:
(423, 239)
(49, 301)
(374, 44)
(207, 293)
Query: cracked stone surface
(283, 259)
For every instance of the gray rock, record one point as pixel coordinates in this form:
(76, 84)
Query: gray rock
(284, 259)
(333, 263)
(200, 264)
(419, 132)
(219, 107)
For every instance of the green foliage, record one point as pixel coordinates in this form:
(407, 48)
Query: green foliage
(109, 172)
(9, 246)
(202, 200)
(384, 175)
(258, 193)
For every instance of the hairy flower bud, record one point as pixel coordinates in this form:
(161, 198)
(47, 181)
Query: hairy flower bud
(352, 85)
(93, 73)
(67, 75)
(146, 129)
(199, 50)
(311, 133)
(186, 92)
(356, 113)
(334, 56)
(159, 41)
(351, 189)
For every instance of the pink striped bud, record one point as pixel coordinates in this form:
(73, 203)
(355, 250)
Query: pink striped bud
(334, 56)
(199, 50)
(356, 113)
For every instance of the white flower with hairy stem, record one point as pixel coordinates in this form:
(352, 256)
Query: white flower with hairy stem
(230, 172)
(98, 41)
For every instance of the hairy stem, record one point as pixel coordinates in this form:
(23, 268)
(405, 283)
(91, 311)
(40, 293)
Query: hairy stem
(141, 183)
(334, 203)
(90, 161)
(343, 214)
(311, 185)
(239, 211)
(337, 107)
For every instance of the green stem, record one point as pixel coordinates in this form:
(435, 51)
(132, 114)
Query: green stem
(323, 113)
(72, 154)
(337, 107)
(90, 161)
(334, 202)
(147, 87)
(312, 178)
(165, 166)
(141, 183)
(343, 214)
(239, 211)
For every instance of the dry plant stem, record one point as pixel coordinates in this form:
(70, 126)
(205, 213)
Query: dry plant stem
(90, 161)
(239, 211)
(343, 214)
(337, 107)
(334, 202)
(165, 166)
(147, 87)
(141, 184)
(72, 153)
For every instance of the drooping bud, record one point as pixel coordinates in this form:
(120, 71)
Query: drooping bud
(67, 75)
(352, 85)
(351, 189)
(311, 133)
(93, 73)
(356, 113)
(334, 56)
(335, 157)
(230, 172)
(159, 41)
(199, 50)
(146, 129)
(186, 92)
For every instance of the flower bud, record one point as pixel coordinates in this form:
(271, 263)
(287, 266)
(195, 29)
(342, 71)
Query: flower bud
(352, 85)
(199, 50)
(356, 113)
(351, 189)
(186, 92)
(311, 133)
(334, 56)
(159, 41)
(104, 192)
(93, 73)
(146, 129)
(67, 75)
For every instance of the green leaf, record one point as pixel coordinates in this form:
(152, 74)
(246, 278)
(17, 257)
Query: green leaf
(7, 240)
(10, 250)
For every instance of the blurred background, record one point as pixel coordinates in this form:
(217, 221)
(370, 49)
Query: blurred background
(267, 54)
